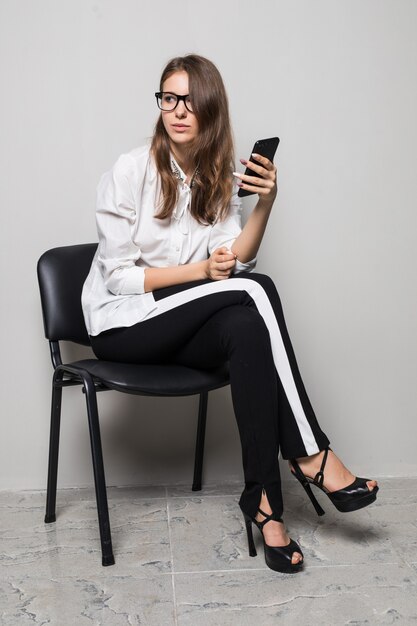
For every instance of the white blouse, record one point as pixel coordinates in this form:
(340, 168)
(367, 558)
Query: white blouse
(132, 239)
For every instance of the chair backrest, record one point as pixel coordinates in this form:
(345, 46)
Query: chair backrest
(61, 274)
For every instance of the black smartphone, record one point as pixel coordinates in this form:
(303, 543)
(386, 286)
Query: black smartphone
(265, 147)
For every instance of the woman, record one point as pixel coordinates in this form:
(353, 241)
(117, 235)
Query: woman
(173, 281)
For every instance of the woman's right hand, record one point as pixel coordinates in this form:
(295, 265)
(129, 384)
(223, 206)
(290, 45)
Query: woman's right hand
(220, 264)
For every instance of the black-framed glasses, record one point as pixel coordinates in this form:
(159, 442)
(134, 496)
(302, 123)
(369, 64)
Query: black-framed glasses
(168, 101)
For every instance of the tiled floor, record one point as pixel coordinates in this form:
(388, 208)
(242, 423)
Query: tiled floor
(182, 560)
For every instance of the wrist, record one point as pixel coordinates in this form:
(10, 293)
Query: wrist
(204, 269)
(264, 205)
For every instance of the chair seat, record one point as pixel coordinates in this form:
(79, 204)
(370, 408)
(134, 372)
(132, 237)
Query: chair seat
(155, 380)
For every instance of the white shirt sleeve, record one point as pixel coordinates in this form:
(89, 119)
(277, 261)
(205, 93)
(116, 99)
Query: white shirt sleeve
(226, 232)
(116, 216)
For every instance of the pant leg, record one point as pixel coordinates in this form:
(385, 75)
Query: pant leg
(239, 334)
(292, 444)
(158, 337)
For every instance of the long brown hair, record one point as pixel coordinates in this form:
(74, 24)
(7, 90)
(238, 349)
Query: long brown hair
(211, 151)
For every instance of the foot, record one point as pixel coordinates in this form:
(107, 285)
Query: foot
(336, 475)
(274, 532)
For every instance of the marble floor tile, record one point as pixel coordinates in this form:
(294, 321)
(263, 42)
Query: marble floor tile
(182, 558)
(392, 506)
(105, 600)
(404, 541)
(369, 594)
(410, 484)
(71, 545)
(216, 526)
(336, 539)
(208, 534)
(384, 531)
(29, 499)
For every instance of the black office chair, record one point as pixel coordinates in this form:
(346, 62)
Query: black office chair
(61, 273)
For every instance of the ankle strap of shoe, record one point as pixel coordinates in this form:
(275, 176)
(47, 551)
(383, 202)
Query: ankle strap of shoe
(319, 477)
(268, 517)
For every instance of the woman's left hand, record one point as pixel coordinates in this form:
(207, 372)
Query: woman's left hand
(264, 181)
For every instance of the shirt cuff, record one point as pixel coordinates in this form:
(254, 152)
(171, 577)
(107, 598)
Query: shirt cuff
(244, 267)
(131, 281)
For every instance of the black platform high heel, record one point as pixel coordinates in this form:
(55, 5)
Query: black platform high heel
(277, 558)
(351, 498)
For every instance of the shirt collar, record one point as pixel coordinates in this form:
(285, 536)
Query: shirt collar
(177, 170)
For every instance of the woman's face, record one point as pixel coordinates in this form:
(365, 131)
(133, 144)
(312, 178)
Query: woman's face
(180, 124)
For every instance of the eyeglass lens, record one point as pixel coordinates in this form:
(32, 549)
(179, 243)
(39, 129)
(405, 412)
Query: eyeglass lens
(168, 101)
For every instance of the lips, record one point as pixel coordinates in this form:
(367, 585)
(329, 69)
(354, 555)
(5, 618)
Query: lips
(180, 129)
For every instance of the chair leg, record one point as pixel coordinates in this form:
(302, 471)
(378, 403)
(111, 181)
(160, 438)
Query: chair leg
(199, 447)
(50, 514)
(98, 467)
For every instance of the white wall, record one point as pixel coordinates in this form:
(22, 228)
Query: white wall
(336, 81)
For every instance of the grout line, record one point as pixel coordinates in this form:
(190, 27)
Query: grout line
(174, 597)
(404, 560)
(236, 570)
(266, 569)
(225, 571)
(206, 495)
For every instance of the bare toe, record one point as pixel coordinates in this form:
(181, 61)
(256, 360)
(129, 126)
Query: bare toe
(296, 558)
(372, 484)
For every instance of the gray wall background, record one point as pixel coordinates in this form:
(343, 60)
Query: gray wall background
(336, 81)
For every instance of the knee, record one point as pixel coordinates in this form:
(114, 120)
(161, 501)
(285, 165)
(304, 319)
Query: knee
(265, 282)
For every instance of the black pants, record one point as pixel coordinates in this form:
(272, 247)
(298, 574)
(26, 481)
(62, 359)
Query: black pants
(204, 323)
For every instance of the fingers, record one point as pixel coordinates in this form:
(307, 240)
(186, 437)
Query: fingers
(223, 254)
(222, 262)
(255, 180)
(216, 274)
(263, 161)
(264, 164)
(265, 184)
(267, 178)
(224, 266)
(260, 186)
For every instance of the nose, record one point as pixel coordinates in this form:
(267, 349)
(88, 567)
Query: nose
(181, 110)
